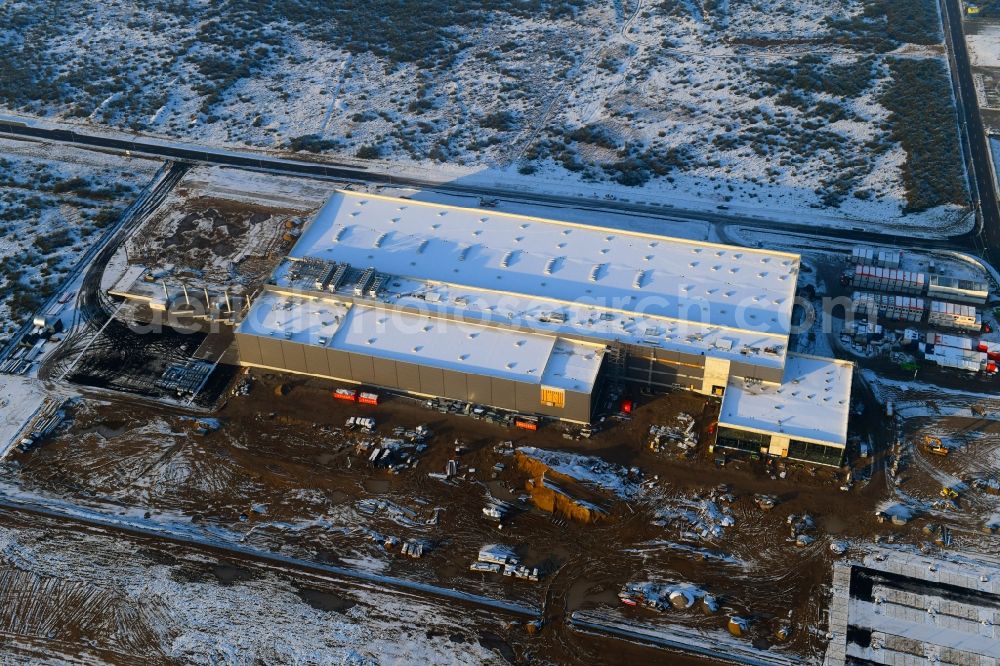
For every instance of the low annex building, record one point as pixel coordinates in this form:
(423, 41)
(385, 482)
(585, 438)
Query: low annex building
(517, 312)
(804, 417)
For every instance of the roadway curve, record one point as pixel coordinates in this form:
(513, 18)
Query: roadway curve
(968, 109)
(345, 172)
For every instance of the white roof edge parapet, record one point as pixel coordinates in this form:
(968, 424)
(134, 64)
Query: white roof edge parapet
(611, 284)
(812, 403)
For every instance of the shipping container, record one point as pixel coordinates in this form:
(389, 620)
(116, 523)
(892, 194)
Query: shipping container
(345, 394)
(526, 422)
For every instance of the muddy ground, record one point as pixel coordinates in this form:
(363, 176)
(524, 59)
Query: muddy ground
(281, 473)
(207, 232)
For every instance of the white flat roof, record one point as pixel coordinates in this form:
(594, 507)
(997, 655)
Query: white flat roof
(582, 319)
(572, 366)
(592, 321)
(653, 275)
(446, 344)
(425, 340)
(811, 403)
(296, 318)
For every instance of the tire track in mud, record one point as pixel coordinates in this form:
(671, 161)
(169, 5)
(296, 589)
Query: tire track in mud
(195, 541)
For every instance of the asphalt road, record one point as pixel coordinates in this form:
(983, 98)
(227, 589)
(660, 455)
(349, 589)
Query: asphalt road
(95, 259)
(968, 109)
(343, 172)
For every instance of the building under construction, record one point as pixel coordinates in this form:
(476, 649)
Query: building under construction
(527, 314)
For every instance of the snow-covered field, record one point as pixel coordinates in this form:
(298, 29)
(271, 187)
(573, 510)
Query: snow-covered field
(20, 399)
(63, 588)
(54, 202)
(766, 108)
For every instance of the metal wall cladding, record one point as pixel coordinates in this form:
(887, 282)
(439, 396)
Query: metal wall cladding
(528, 397)
(662, 372)
(270, 353)
(751, 371)
(480, 389)
(431, 380)
(316, 361)
(362, 368)
(385, 372)
(249, 348)
(408, 377)
(505, 394)
(295, 356)
(579, 406)
(455, 386)
(339, 363)
(334, 364)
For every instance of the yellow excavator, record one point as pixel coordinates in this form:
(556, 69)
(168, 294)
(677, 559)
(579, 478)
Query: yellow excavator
(934, 445)
(949, 493)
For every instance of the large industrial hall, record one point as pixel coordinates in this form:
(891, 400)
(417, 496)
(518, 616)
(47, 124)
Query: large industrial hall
(536, 316)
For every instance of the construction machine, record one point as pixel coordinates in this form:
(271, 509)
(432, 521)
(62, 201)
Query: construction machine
(934, 445)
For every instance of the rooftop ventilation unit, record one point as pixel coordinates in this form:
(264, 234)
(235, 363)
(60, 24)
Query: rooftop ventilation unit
(464, 253)
(338, 277)
(339, 236)
(381, 239)
(550, 265)
(595, 272)
(377, 285)
(724, 344)
(505, 262)
(324, 278)
(639, 277)
(361, 286)
(423, 245)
